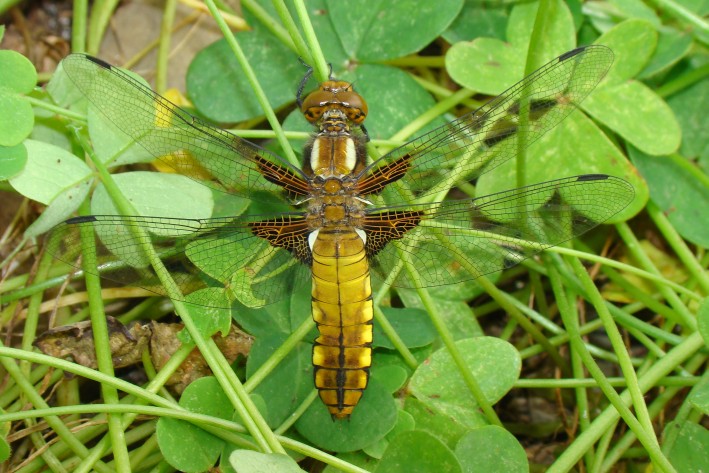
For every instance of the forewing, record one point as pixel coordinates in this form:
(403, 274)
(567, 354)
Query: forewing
(477, 142)
(460, 240)
(220, 253)
(187, 144)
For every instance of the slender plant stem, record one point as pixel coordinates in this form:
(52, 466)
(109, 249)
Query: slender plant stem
(254, 83)
(583, 382)
(684, 81)
(5, 5)
(7, 354)
(431, 114)
(105, 444)
(279, 355)
(270, 23)
(383, 322)
(578, 373)
(58, 110)
(650, 276)
(532, 63)
(619, 403)
(618, 346)
(523, 321)
(635, 292)
(102, 344)
(449, 343)
(322, 71)
(29, 334)
(166, 23)
(215, 359)
(28, 390)
(682, 312)
(682, 13)
(679, 246)
(78, 26)
(100, 17)
(659, 404)
(298, 41)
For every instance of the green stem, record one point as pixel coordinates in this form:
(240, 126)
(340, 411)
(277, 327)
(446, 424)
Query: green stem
(679, 246)
(297, 413)
(5, 5)
(431, 114)
(684, 81)
(215, 359)
(105, 444)
(253, 82)
(144, 395)
(582, 405)
(501, 298)
(618, 345)
(168, 18)
(650, 276)
(78, 26)
(418, 61)
(685, 411)
(633, 246)
(449, 343)
(270, 23)
(279, 355)
(100, 17)
(583, 382)
(383, 322)
(682, 13)
(11, 353)
(102, 344)
(534, 60)
(658, 405)
(599, 426)
(300, 47)
(11, 391)
(28, 390)
(537, 50)
(139, 456)
(322, 71)
(81, 118)
(623, 317)
(634, 292)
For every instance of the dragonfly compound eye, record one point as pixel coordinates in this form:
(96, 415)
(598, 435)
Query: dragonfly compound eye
(333, 94)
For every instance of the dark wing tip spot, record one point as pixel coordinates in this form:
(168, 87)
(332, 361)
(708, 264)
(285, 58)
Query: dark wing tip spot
(81, 219)
(571, 53)
(99, 62)
(593, 177)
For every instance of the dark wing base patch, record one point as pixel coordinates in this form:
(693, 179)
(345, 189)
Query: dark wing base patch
(289, 233)
(375, 181)
(383, 227)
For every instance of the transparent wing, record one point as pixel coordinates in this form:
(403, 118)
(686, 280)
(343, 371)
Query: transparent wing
(221, 254)
(455, 241)
(477, 142)
(189, 145)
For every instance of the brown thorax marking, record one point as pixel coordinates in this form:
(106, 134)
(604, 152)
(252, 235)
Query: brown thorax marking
(333, 158)
(334, 202)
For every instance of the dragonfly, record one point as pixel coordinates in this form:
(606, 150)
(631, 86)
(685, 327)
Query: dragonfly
(344, 220)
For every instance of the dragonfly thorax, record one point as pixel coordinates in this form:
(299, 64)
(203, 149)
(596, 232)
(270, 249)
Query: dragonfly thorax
(334, 201)
(336, 211)
(338, 148)
(333, 156)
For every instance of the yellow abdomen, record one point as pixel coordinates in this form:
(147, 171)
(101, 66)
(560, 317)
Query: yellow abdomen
(342, 310)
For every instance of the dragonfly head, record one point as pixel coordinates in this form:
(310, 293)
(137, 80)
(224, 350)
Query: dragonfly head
(334, 94)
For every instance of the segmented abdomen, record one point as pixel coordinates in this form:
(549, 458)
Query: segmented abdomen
(342, 310)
